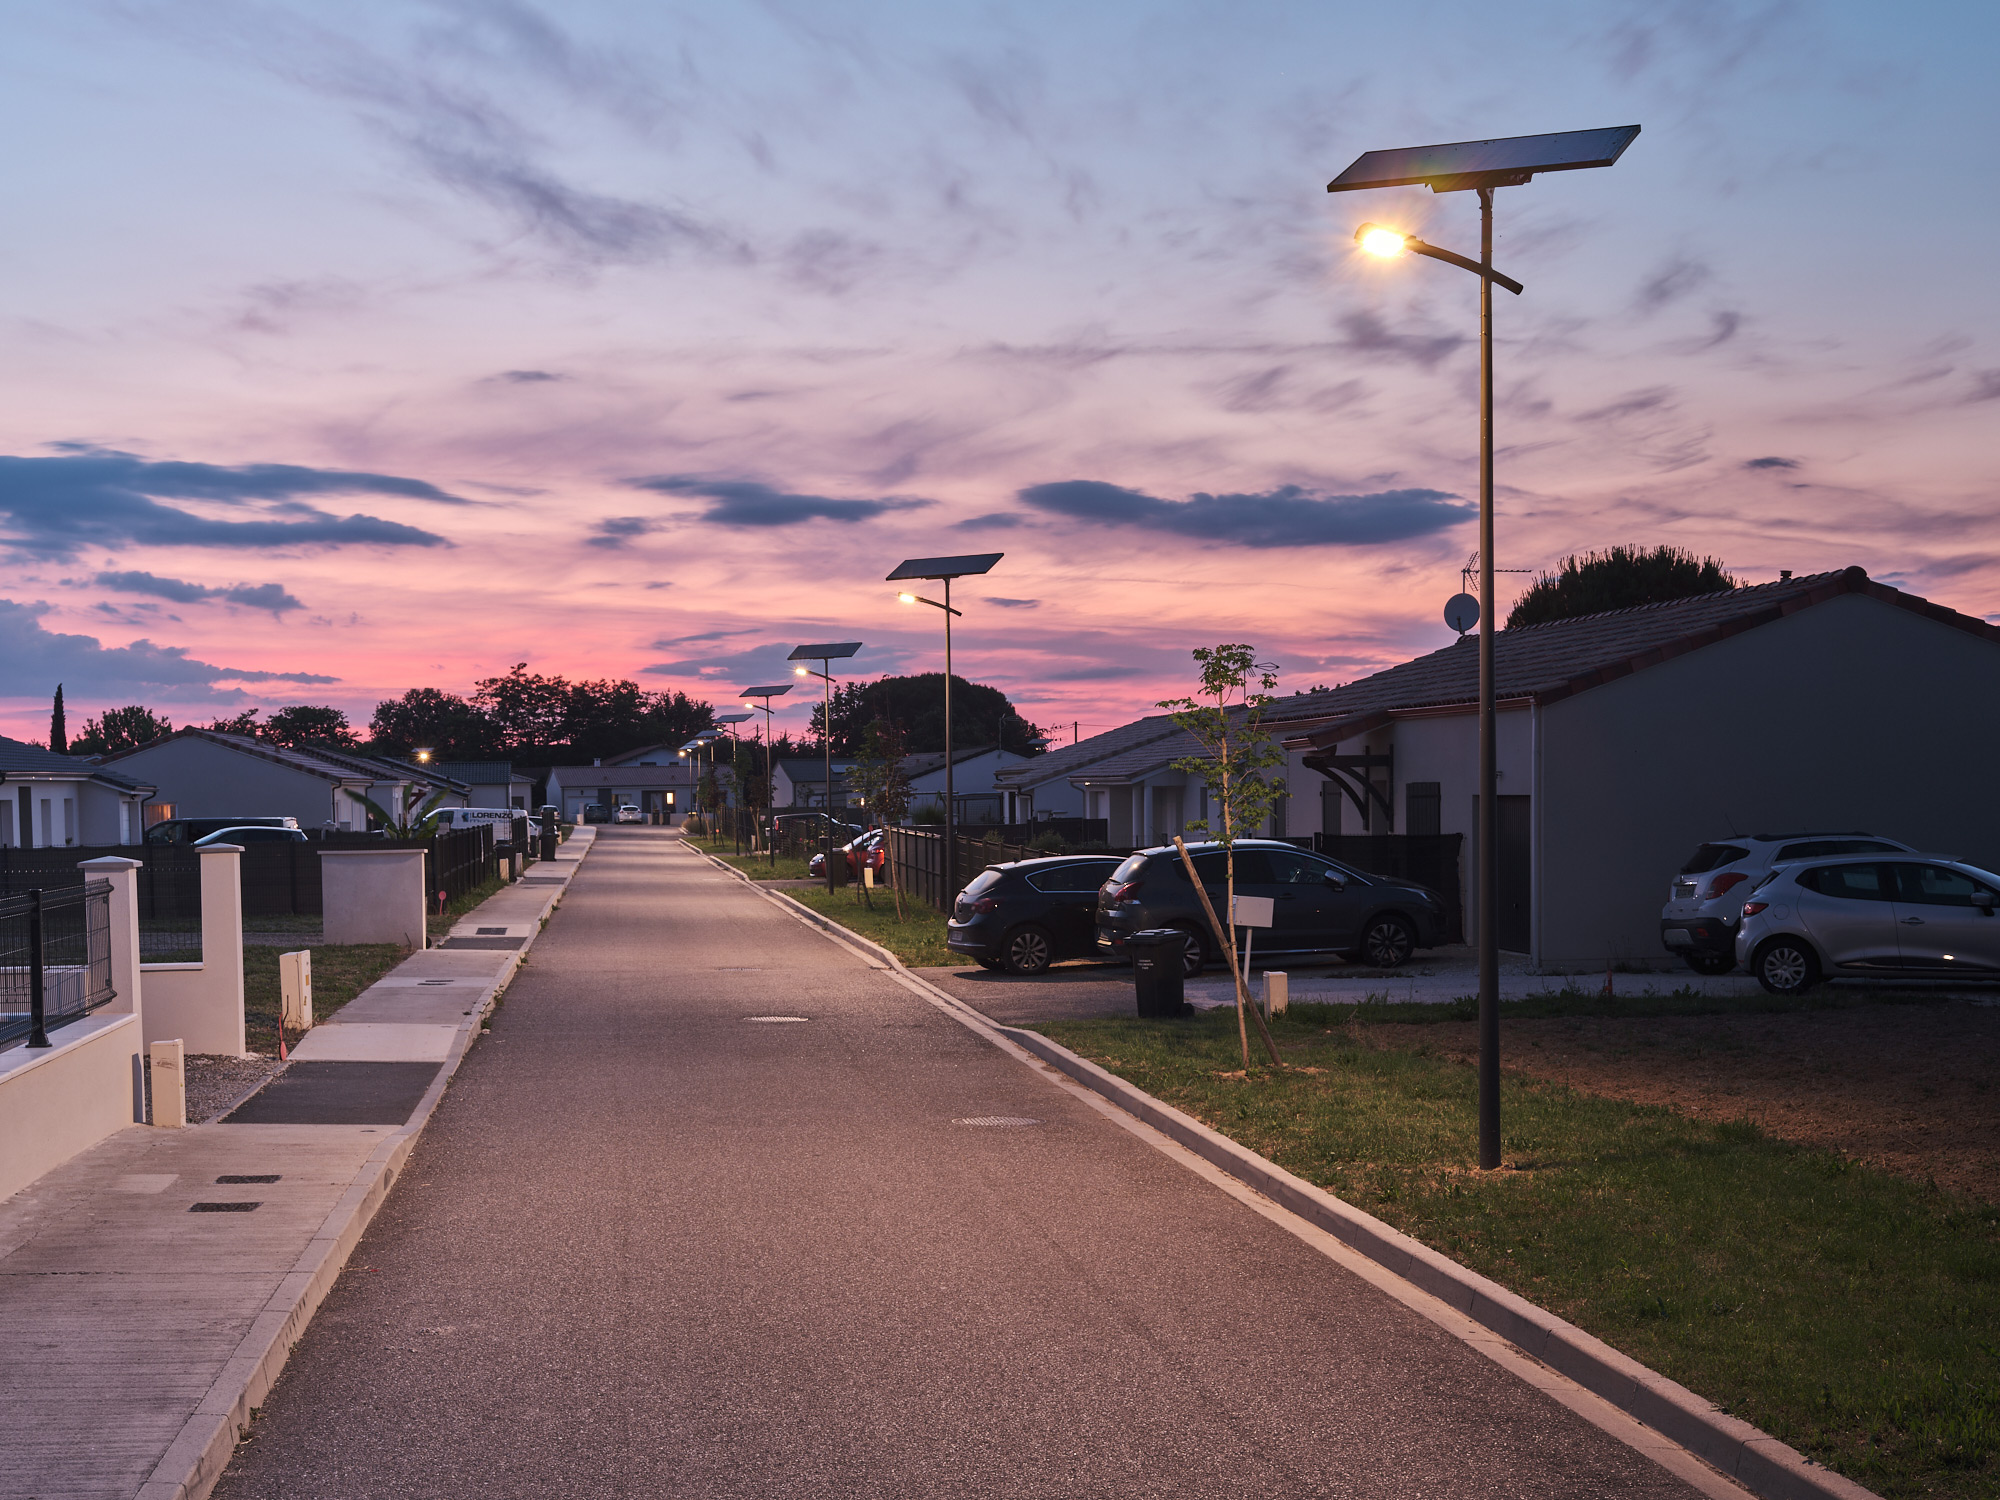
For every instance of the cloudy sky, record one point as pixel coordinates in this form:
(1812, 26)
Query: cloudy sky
(357, 347)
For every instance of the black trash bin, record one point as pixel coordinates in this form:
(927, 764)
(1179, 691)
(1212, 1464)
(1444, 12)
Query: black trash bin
(1158, 972)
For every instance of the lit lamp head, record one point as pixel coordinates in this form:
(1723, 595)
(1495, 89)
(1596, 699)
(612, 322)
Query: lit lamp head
(907, 598)
(1380, 239)
(424, 753)
(801, 672)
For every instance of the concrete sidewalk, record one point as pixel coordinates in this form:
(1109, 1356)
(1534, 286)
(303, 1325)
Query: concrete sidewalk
(152, 1288)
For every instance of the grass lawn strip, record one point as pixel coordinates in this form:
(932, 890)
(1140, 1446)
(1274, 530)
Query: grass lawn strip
(1849, 1313)
(340, 971)
(918, 939)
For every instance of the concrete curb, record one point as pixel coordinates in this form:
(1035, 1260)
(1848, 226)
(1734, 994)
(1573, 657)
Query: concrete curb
(194, 1461)
(1746, 1454)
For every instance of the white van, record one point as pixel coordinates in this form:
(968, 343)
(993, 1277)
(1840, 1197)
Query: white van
(502, 819)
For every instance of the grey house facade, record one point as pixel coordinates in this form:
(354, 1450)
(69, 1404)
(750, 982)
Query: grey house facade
(489, 783)
(200, 773)
(56, 801)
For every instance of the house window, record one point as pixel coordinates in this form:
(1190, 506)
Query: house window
(47, 832)
(6, 823)
(1278, 805)
(1423, 807)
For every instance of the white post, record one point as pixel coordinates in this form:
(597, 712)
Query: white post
(124, 877)
(222, 942)
(170, 1104)
(1277, 992)
(295, 986)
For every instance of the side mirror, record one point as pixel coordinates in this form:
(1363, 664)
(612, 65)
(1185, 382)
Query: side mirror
(1334, 879)
(1984, 901)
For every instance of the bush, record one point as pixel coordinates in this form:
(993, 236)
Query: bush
(1048, 843)
(930, 812)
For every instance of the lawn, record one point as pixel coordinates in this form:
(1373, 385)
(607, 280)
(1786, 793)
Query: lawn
(440, 923)
(918, 939)
(339, 973)
(1851, 1313)
(763, 866)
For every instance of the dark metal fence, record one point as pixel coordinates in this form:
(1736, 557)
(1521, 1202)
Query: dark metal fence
(917, 855)
(168, 886)
(55, 959)
(461, 860)
(1429, 859)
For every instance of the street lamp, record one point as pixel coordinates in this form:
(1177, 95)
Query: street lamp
(826, 656)
(775, 690)
(945, 569)
(731, 720)
(1480, 166)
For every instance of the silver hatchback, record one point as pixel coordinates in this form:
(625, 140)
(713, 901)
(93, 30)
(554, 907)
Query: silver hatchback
(1706, 898)
(1916, 917)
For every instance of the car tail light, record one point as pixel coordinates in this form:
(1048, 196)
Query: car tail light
(983, 906)
(1128, 891)
(1751, 908)
(1724, 883)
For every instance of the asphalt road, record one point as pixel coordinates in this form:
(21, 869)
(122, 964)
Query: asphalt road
(649, 1247)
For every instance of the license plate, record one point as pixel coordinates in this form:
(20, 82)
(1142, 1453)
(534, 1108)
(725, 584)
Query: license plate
(1677, 937)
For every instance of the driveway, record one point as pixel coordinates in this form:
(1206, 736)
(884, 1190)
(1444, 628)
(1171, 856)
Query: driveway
(659, 1241)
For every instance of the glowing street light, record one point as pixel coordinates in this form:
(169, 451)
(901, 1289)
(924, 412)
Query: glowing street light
(750, 695)
(826, 656)
(1480, 166)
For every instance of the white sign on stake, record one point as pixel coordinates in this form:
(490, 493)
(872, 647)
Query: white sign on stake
(1251, 911)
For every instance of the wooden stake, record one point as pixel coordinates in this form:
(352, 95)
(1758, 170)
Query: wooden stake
(1227, 939)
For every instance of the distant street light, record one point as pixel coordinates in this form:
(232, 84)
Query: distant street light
(826, 656)
(1480, 166)
(776, 690)
(945, 569)
(730, 721)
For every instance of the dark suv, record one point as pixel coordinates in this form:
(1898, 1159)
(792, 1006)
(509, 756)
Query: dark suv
(1024, 916)
(1317, 906)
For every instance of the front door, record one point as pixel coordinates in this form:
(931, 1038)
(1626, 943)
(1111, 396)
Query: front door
(1937, 925)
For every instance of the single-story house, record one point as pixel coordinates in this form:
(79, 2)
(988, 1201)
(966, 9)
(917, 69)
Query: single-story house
(801, 782)
(975, 783)
(50, 801)
(663, 788)
(1827, 702)
(489, 783)
(201, 773)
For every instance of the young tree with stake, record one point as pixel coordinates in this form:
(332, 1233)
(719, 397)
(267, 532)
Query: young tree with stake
(1225, 717)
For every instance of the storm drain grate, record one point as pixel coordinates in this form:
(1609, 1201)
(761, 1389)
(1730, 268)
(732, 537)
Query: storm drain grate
(997, 1120)
(491, 931)
(249, 1177)
(222, 1208)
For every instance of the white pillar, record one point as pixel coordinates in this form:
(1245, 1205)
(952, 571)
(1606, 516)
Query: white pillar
(170, 1106)
(124, 877)
(374, 896)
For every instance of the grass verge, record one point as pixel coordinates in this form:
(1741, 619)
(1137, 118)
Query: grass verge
(1573, 1000)
(339, 973)
(762, 867)
(1849, 1313)
(441, 924)
(918, 940)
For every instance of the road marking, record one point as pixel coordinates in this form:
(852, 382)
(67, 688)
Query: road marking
(775, 1020)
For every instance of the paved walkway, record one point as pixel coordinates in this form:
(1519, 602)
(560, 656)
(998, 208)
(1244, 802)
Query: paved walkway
(721, 1209)
(133, 1328)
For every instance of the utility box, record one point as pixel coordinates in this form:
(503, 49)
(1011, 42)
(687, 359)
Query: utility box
(1277, 992)
(295, 991)
(167, 1064)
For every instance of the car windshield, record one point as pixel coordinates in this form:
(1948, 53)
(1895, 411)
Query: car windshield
(1708, 856)
(981, 883)
(1130, 869)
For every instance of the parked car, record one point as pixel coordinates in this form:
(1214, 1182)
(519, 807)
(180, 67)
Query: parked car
(1916, 916)
(812, 825)
(594, 812)
(1024, 916)
(191, 830)
(627, 813)
(252, 833)
(502, 819)
(1318, 905)
(869, 849)
(1705, 901)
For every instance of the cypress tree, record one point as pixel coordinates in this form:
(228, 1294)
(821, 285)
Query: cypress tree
(58, 730)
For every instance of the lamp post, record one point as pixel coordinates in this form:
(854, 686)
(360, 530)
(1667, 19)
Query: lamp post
(826, 656)
(729, 723)
(775, 690)
(1480, 166)
(945, 569)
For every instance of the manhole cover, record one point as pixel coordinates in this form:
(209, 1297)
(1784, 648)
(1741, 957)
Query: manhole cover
(775, 1020)
(997, 1120)
(221, 1208)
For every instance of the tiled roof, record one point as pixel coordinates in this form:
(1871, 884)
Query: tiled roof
(478, 772)
(1070, 760)
(1553, 661)
(19, 758)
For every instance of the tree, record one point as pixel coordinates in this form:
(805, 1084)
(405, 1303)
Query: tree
(429, 716)
(1619, 578)
(980, 715)
(58, 727)
(243, 723)
(1225, 718)
(124, 728)
(526, 709)
(884, 786)
(305, 724)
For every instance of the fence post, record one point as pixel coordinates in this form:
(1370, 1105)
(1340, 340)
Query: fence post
(38, 1035)
(123, 876)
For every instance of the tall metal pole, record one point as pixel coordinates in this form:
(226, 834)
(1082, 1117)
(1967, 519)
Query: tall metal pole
(950, 807)
(38, 1035)
(826, 743)
(1489, 801)
(770, 791)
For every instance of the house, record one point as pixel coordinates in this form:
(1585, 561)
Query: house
(802, 782)
(975, 784)
(662, 788)
(202, 773)
(1625, 739)
(489, 783)
(51, 800)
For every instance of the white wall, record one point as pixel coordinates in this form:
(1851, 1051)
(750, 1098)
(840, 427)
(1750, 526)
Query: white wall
(60, 1100)
(1853, 714)
(374, 896)
(202, 1004)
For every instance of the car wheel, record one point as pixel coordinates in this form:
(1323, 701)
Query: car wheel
(1711, 963)
(1388, 942)
(1786, 966)
(1027, 950)
(1194, 952)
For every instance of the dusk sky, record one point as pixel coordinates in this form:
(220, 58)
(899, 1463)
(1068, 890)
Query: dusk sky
(357, 347)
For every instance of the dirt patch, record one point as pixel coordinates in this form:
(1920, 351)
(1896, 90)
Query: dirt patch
(214, 1083)
(1911, 1089)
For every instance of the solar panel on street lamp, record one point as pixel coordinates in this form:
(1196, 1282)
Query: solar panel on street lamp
(1481, 166)
(945, 568)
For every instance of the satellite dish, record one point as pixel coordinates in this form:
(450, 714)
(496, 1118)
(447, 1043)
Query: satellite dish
(1461, 612)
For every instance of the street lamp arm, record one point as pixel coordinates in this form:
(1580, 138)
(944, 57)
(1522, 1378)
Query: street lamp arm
(1451, 257)
(920, 599)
